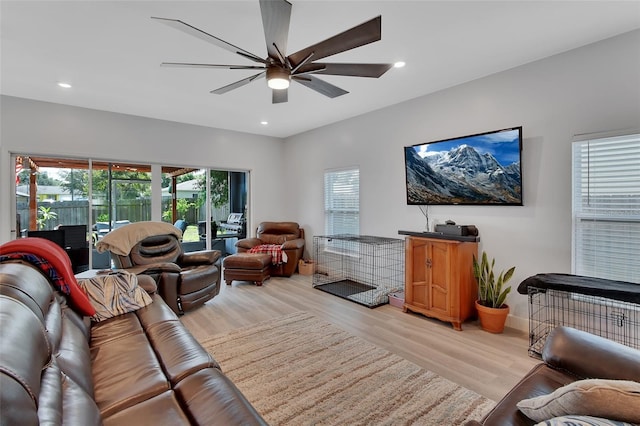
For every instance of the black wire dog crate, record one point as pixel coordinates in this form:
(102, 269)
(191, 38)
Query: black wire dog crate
(610, 309)
(360, 268)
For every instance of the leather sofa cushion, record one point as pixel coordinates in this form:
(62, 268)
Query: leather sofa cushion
(49, 401)
(23, 360)
(156, 312)
(179, 352)
(122, 380)
(210, 396)
(114, 328)
(27, 284)
(162, 409)
(73, 356)
(589, 356)
(57, 388)
(79, 407)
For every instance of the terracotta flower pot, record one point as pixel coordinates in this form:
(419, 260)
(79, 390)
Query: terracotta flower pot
(492, 319)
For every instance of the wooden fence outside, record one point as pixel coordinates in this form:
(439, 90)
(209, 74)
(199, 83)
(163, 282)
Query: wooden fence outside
(76, 212)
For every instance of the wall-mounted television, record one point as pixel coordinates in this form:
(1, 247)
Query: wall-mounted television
(480, 169)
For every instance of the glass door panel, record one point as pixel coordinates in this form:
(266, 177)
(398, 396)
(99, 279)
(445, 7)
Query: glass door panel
(52, 203)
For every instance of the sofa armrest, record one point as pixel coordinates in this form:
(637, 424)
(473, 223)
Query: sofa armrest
(587, 355)
(248, 243)
(202, 257)
(147, 283)
(296, 244)
(154, 268)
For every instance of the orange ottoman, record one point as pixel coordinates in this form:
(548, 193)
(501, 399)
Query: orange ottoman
(247, 267)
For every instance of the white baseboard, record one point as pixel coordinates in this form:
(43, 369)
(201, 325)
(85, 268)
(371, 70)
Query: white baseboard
(518, 323)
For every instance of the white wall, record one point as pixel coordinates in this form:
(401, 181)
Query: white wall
(32, 127)
(592, 89)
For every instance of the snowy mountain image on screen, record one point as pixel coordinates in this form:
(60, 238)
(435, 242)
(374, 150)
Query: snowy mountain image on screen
(461, 175)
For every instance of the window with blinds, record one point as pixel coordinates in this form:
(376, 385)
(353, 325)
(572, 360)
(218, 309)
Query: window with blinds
(606, 208)
(342, 201)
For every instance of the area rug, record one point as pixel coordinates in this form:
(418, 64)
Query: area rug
(300, 370)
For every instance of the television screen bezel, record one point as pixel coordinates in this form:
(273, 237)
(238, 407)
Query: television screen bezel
(520, 143)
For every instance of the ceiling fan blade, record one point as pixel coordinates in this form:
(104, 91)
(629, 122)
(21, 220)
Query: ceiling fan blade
(308, 69)
(237, 84)
(357, 36)
(279, 96)
(351, 70)
(276, 15)
(230, 67)
(320, 86)
(189, 29)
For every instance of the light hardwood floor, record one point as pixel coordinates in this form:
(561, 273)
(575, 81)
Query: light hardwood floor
(487, 363)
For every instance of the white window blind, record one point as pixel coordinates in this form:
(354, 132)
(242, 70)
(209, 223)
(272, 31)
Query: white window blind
(606, 208)
(342, 201)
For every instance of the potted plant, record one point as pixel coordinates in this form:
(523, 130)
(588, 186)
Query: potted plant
(492, 293)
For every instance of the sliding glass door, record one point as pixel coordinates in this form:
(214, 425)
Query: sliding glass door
(75, 202)
(201, 203)
(95, 197)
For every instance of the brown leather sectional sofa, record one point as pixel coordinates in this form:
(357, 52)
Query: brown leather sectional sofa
(138, 368)
(568, 355)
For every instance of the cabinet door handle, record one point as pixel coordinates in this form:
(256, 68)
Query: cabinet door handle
(429, 263)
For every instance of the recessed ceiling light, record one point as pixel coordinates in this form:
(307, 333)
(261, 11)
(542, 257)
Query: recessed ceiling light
(64, 85)
(399, 64)
(264, 123)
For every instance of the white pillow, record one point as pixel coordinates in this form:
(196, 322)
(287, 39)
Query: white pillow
(610, 399)
(581, 421)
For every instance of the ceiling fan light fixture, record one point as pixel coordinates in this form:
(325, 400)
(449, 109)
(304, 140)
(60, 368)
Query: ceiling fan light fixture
(278, 78)
(279, 68)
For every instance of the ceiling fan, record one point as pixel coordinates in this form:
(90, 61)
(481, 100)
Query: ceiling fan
(300, 66)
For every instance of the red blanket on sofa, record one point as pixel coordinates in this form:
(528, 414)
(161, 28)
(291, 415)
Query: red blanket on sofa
(54, 262)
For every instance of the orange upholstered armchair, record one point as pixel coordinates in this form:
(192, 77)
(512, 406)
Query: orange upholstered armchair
(286, 237)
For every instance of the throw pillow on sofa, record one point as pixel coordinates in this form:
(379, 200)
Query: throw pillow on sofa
(114, 294)
(581, 421)
(610, 399)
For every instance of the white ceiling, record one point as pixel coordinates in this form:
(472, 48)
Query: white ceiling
(110, 51)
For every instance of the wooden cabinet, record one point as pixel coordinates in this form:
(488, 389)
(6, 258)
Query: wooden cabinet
(439, 280)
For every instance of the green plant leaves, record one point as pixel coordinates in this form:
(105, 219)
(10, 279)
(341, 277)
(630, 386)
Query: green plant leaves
(490, 289)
